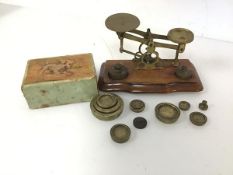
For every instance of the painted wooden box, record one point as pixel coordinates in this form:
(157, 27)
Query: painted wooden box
(59, 80)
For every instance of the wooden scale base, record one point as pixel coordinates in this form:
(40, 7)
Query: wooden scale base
(160, 80)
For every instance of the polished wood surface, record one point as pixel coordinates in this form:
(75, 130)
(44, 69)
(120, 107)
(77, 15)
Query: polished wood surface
(161, 80)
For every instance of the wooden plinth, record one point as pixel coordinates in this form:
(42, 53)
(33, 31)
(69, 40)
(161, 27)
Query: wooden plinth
(161, 80)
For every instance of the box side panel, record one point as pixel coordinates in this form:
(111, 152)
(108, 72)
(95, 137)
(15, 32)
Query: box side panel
(55, 93)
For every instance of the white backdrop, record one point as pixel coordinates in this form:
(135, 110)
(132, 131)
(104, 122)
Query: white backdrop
(207, 18)
(68, 140)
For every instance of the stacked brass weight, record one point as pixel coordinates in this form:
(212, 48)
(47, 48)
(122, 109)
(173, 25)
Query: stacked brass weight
(107, 106)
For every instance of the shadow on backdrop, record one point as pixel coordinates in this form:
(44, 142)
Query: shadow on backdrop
(6, 9)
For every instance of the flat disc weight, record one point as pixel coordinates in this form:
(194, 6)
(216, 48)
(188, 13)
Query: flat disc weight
(180, 35)
(122, 22)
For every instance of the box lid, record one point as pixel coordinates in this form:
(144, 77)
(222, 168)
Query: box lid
(69, 67)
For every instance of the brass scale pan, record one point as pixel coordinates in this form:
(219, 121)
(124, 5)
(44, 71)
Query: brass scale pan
(125, 22)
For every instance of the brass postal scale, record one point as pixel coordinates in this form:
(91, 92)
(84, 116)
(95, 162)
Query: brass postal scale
(147, 72)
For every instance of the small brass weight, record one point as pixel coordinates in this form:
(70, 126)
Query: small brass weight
(147, 71)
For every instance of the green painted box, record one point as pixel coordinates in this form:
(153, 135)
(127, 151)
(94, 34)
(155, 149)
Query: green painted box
(59, 80)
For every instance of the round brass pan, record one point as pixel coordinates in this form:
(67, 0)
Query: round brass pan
(122, 22)
(167, 112)
(180, 35)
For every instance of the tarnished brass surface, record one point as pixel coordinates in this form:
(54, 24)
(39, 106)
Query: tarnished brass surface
(120, 133)
(167, 112)
(125, 25)
(106, 106)
(106, 100)
(164, 75)
(180, 35)
(108, 110)
(203, 105)
(183, 72)
(198, 118)
(118, 72)
(137, 105)
(184, 105)
(122, 22)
